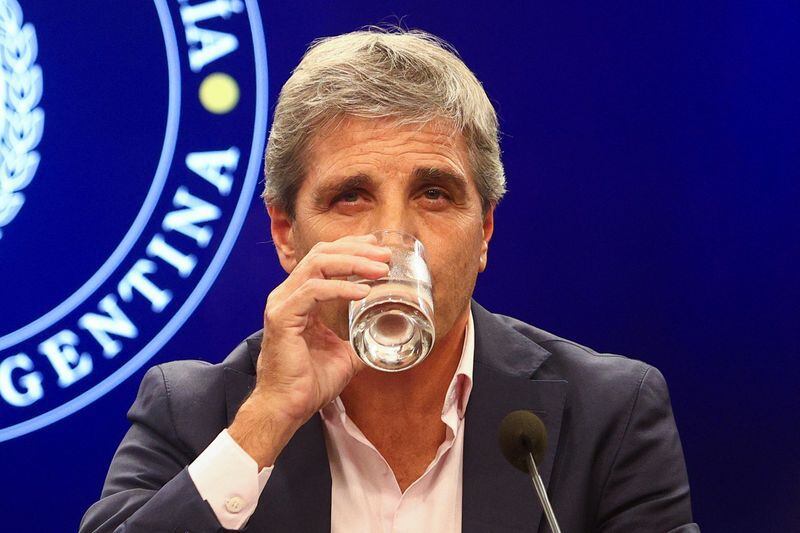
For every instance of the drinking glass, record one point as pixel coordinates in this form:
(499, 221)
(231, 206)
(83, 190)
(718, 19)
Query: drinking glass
(392, 328)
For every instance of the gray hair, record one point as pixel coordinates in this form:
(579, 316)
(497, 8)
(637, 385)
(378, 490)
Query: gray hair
(407, 75)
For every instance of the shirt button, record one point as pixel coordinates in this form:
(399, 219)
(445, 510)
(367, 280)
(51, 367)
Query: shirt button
(234, 504)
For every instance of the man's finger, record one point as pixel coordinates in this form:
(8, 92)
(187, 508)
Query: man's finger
(339, 265)
(313, 292)
(348, 253)
(352, 246)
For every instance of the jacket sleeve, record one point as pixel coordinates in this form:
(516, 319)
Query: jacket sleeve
(148, 487)
(647, 488)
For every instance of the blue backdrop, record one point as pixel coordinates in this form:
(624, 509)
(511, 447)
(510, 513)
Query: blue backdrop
(653, 173)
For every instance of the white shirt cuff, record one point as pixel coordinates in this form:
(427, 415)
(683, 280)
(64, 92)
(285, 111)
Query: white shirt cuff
(228, 479)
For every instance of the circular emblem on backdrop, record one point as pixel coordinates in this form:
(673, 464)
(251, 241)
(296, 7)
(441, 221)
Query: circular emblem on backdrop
(156, 124)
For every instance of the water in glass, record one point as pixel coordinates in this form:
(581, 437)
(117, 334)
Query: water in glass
(391, 329)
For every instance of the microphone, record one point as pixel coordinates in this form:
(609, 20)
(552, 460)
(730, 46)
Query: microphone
(523, 440)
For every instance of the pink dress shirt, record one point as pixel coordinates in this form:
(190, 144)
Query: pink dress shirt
(364, 493)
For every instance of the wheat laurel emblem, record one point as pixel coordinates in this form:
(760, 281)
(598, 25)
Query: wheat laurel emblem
(21, 120)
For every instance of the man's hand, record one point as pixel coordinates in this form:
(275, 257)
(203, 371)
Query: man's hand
(303, 364)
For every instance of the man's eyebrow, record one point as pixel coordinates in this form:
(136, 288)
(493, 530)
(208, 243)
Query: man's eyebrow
(445, 177)
(334, 188)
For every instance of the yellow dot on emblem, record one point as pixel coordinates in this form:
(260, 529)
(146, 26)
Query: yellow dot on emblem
(219, 93)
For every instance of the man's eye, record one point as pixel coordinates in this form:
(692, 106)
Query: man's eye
(349, 197)
(434, 194)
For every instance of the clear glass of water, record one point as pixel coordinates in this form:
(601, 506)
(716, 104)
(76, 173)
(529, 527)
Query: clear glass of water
(392, 328)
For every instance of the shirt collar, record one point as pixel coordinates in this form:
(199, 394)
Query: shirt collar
(461, 385)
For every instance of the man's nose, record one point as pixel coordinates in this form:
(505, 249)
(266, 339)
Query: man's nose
(394, 215)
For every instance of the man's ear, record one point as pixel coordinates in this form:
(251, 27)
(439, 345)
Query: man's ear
(488, 231)
(282, 228)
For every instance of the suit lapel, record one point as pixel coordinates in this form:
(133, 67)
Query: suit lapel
(496, 496)
(298, 494)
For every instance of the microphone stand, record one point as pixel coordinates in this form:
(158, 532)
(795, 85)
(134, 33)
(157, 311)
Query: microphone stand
(542, 492)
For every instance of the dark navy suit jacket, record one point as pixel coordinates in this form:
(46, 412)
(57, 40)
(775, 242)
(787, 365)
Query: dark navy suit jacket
(614, 460)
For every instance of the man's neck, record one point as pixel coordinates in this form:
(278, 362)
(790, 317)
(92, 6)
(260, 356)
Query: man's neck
(400, 413)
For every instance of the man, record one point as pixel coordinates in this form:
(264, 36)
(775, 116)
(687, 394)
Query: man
(390, 130)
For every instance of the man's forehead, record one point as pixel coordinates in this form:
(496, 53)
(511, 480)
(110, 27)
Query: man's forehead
(353, 133)
(354, 146)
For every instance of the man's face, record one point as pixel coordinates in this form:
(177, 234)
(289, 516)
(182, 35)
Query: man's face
(367, 175)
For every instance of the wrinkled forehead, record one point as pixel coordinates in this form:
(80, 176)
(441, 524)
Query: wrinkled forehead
(349, 134)
(333, 126)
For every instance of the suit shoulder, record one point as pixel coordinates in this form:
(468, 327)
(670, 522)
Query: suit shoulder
(190, 394)
(187, 377)
(189, 371)
(583, 365)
